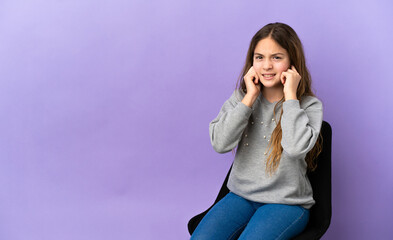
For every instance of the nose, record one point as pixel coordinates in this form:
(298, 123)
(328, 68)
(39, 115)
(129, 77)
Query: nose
(267, 64)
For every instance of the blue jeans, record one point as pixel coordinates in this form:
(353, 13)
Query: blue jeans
(234, 217)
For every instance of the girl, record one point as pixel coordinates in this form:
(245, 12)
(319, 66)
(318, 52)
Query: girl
(274, 119)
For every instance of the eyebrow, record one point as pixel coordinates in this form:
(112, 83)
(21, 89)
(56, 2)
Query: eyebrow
(272, 54)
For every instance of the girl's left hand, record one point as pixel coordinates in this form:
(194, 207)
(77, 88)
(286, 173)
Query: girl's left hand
(290, 79)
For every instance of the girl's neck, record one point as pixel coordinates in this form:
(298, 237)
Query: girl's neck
(273, 94)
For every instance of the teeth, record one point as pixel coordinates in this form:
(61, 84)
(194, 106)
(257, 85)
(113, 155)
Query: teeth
(270, 75)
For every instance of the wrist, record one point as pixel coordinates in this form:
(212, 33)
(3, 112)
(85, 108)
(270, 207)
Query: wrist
(290, 96)
(249, 99)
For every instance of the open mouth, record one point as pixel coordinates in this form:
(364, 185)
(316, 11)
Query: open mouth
(268, 76)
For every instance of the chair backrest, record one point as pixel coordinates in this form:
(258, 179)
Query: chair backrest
(320, 179)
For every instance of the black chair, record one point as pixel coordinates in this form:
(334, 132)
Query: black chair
(321, 211)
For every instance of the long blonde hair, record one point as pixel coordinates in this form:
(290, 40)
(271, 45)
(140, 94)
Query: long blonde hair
(287, 38)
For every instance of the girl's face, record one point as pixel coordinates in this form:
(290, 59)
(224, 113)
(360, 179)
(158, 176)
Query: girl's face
(270, 60)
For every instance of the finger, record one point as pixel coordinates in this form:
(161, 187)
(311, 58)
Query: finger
(252, 70)
(255, 74)
(256, 78)
(283, 77)
(293, 68)
(259, 75)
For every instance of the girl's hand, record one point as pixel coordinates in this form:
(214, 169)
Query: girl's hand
(290, 79)
(251, 79)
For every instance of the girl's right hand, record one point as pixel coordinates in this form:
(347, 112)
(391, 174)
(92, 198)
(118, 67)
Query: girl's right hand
(251, 80)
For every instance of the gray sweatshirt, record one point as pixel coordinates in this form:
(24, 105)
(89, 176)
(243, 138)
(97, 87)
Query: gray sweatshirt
(250, 130)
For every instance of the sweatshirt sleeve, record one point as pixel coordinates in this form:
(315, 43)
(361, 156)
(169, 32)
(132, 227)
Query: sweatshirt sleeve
(226, 129)
(300, 126)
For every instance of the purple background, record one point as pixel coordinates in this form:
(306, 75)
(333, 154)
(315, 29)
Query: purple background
(105, 107)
